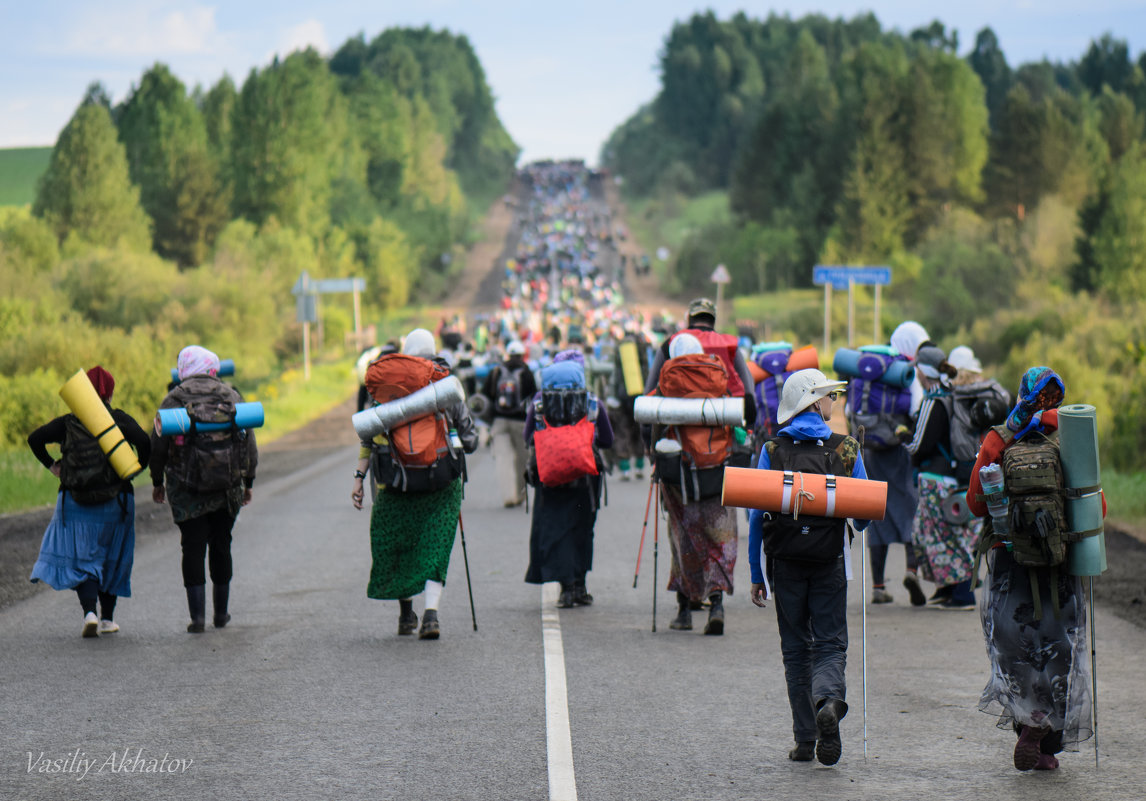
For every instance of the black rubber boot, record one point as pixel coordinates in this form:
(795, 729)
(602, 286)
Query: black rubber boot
(568, 597)
(715, 624)
(683, 620)
(407, 620)
(220, 594)
(197, 605)
(430, 628)
(581, 595)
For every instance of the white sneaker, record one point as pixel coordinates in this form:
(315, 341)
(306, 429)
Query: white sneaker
(625, 475)
(108, 627)
(640, 473)
(91, 625)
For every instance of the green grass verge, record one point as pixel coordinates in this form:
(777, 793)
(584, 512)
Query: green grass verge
(1125, 497)
(20, 169)
(24, 483)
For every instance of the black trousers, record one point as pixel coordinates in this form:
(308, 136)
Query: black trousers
(811, 613)
(207, 536)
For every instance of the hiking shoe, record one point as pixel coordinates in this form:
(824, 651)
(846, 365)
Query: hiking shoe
(957, 606)
(91, 625)
(829, 747)
(108, 627)
(940, 595)
(1027, 751)
(407, 623)
(803, 752)
(581, 596)
(625, 475)
(880, 596)
(1047, 762)
(567, 599)
(683, 620)
(715, 624)
(430, 629)
(911, 583)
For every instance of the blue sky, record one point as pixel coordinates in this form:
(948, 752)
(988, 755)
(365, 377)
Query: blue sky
(564, 74)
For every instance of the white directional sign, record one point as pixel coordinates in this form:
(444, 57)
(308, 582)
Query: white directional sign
(720, 275)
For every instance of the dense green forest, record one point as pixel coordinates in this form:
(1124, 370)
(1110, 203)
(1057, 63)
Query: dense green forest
(1010, 201)
(184, 216)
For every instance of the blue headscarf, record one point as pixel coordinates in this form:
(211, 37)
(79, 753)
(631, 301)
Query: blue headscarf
(1040, 389)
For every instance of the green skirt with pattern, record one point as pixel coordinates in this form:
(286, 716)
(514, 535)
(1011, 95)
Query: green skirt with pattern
(411, 536)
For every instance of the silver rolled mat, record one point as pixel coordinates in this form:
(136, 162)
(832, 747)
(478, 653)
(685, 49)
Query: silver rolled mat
(689, 411)
(439, 395)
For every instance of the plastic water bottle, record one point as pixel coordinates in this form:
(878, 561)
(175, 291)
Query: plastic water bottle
(455, 440)
(991, 477)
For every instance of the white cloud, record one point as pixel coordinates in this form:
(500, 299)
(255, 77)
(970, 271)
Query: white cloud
(299, 37)
(142, 29)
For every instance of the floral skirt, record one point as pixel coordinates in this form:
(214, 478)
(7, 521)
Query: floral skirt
(1040, 675)
(945, 551)
(703, 539)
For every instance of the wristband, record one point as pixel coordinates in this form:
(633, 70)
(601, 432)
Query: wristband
(359, 474)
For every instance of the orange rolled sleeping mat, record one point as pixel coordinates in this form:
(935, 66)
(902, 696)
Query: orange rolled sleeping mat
(804, 493)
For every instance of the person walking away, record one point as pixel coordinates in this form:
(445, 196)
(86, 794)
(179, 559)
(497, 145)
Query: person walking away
(702, 531)
(628, 448)
(89, 545)
(206, 478)
(419, 473)
(510, 386)
(801, 565)
(885, 413)
(566, 428)
(944, 547)
(702, 326)
(1033, 611)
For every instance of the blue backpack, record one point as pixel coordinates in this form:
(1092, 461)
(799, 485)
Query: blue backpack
(878, 407)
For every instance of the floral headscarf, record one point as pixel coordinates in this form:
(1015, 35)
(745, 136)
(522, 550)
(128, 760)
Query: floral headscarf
(1040, 389)
(194, 360)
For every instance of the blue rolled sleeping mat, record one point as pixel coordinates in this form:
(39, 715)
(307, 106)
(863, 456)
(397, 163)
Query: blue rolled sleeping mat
(173, 422)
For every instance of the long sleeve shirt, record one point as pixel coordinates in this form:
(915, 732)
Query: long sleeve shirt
(805, 426)
(54, 431)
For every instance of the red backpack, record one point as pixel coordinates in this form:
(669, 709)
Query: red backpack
(421, 443)
(565, 452)
(698, 375)
(724, 347)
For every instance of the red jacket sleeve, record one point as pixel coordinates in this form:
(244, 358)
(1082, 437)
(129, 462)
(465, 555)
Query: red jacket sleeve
(990, 452)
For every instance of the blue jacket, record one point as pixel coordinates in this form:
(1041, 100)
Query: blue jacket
(804, 426)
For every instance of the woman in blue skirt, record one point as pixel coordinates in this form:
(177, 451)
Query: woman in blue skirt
(90, 543)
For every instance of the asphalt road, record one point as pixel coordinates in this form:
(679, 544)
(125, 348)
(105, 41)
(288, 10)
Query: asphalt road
(310, 693)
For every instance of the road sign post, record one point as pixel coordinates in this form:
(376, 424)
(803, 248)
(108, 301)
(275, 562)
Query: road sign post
(308, 292)
(720, 277)
(839, 277)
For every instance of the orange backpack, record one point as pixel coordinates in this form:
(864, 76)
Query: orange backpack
(698, 375)
(423, 441)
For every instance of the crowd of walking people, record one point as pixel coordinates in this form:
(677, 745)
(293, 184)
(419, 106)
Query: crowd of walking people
(559, 377)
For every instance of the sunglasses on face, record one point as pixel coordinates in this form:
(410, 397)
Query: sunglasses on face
(834, 395)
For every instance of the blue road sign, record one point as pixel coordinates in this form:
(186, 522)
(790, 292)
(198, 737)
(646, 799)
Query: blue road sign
(838, 277)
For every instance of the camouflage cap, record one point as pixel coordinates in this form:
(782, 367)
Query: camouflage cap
(702, 306)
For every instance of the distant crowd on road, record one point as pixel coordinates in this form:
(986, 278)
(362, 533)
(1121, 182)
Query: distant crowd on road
(568, 385)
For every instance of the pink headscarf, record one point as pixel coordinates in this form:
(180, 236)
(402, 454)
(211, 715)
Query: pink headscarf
(194, 360)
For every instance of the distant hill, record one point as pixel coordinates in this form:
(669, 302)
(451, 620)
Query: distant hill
(20, 168)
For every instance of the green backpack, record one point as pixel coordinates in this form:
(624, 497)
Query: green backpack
(85, 471)
(1032, 477)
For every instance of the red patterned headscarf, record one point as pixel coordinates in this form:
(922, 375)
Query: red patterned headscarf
(103, 382)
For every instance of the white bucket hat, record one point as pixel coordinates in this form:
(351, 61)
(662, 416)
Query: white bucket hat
(802, 389)
(963, 358)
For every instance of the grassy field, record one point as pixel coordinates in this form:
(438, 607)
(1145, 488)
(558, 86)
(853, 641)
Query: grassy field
(656, 223)
(20, 169)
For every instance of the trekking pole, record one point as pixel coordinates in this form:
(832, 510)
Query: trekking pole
(644, 528)
(656, 539)
(466, 559)
(863, 611)
(1093, 675)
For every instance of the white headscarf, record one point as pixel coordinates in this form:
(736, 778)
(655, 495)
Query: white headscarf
(683, 345)
(419, 342)
(194, 360)
(908, 337)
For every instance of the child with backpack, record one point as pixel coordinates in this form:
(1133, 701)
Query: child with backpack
(805, 571)
(1033, 611)
(89, 545)
(566, 427)
(206, 477)
(702, 531)
(419, 471)
(944, 542)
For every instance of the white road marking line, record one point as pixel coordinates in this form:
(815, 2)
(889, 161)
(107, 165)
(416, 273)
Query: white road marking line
(559, 742)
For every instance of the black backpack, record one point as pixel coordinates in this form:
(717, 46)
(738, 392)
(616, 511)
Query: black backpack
(213, 461)
(85, 471)
(508, 398)
(809, 538)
